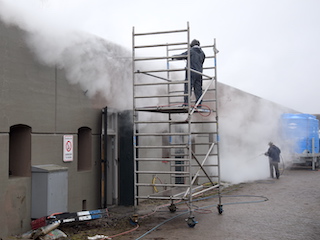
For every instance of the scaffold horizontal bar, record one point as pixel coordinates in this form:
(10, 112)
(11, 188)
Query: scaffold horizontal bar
(161, 45)
(207, 77)
(160, 32)
(207, 132)
(162, 185)
(161, 159)
(202, 143)
(173, 122)
(169, 146)
(160, 70)
(159, 147)
(161, 172)
(158, 96)
(203, 122)
(177, 109)
(149, 58)
(211, 57)
(161, 197)
(163, 121)
(162, 134)
(206, 165)
(208, 68)
(202, 46)
(183, 122)
(168, 82)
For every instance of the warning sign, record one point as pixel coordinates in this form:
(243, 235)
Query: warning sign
(67, 148)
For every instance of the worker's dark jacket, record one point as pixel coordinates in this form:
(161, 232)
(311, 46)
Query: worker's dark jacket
(197, 58)
(274, 153)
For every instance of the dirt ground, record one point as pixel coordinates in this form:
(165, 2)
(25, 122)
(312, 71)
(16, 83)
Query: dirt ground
(286, 209)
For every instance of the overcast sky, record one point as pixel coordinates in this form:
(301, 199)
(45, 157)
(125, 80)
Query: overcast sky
(269, 48)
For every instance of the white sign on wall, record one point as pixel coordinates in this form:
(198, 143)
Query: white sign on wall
(67, 148)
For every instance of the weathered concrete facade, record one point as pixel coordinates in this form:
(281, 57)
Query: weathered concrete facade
(39, 99)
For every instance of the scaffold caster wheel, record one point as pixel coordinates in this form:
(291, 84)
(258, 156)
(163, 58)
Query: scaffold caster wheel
(220, 209)
(134, 220)
(191, 222)
(172, 208)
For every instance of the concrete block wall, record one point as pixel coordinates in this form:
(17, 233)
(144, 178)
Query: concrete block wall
(40, 97)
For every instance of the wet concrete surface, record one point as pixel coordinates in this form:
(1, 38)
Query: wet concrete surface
(291, 212)
(270, 209)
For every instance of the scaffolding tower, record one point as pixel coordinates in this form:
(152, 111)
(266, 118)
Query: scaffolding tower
(176, 145)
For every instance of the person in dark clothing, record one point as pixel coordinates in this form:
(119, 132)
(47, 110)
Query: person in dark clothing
(274, 158)
(197, 58)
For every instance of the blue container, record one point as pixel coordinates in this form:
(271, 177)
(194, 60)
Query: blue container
(300, 129)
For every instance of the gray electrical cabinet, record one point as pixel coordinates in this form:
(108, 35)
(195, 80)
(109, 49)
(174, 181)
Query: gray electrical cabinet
(49, 190)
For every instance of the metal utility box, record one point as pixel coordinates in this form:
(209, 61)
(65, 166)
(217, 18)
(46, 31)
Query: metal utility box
(49, 190)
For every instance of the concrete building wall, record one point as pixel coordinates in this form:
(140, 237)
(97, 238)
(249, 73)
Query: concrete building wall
(41, 98)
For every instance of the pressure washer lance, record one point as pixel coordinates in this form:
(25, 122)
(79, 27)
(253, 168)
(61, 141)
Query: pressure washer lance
(256, 157)
(45, 230)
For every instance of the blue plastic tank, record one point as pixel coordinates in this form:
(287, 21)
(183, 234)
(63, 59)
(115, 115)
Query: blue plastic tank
(300, 129)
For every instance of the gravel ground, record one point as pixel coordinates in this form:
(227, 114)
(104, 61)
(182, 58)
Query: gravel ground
(286, 209)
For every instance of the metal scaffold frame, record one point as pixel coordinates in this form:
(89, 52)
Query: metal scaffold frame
(176, 145)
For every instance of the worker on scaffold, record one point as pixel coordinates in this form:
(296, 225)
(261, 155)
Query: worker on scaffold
(274, 158)
(197, 58)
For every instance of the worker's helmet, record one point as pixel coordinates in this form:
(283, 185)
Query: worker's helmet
(194, 42)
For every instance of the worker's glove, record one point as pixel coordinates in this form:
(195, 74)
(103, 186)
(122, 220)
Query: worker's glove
(266, 154)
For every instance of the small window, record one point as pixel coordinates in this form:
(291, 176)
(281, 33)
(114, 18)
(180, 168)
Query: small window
(84, 149)
(20, 151)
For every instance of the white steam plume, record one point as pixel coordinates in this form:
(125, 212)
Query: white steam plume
(99, 66)
(247, 124)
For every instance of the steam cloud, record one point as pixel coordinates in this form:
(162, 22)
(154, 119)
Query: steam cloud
(247, 125)
(100, 67)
